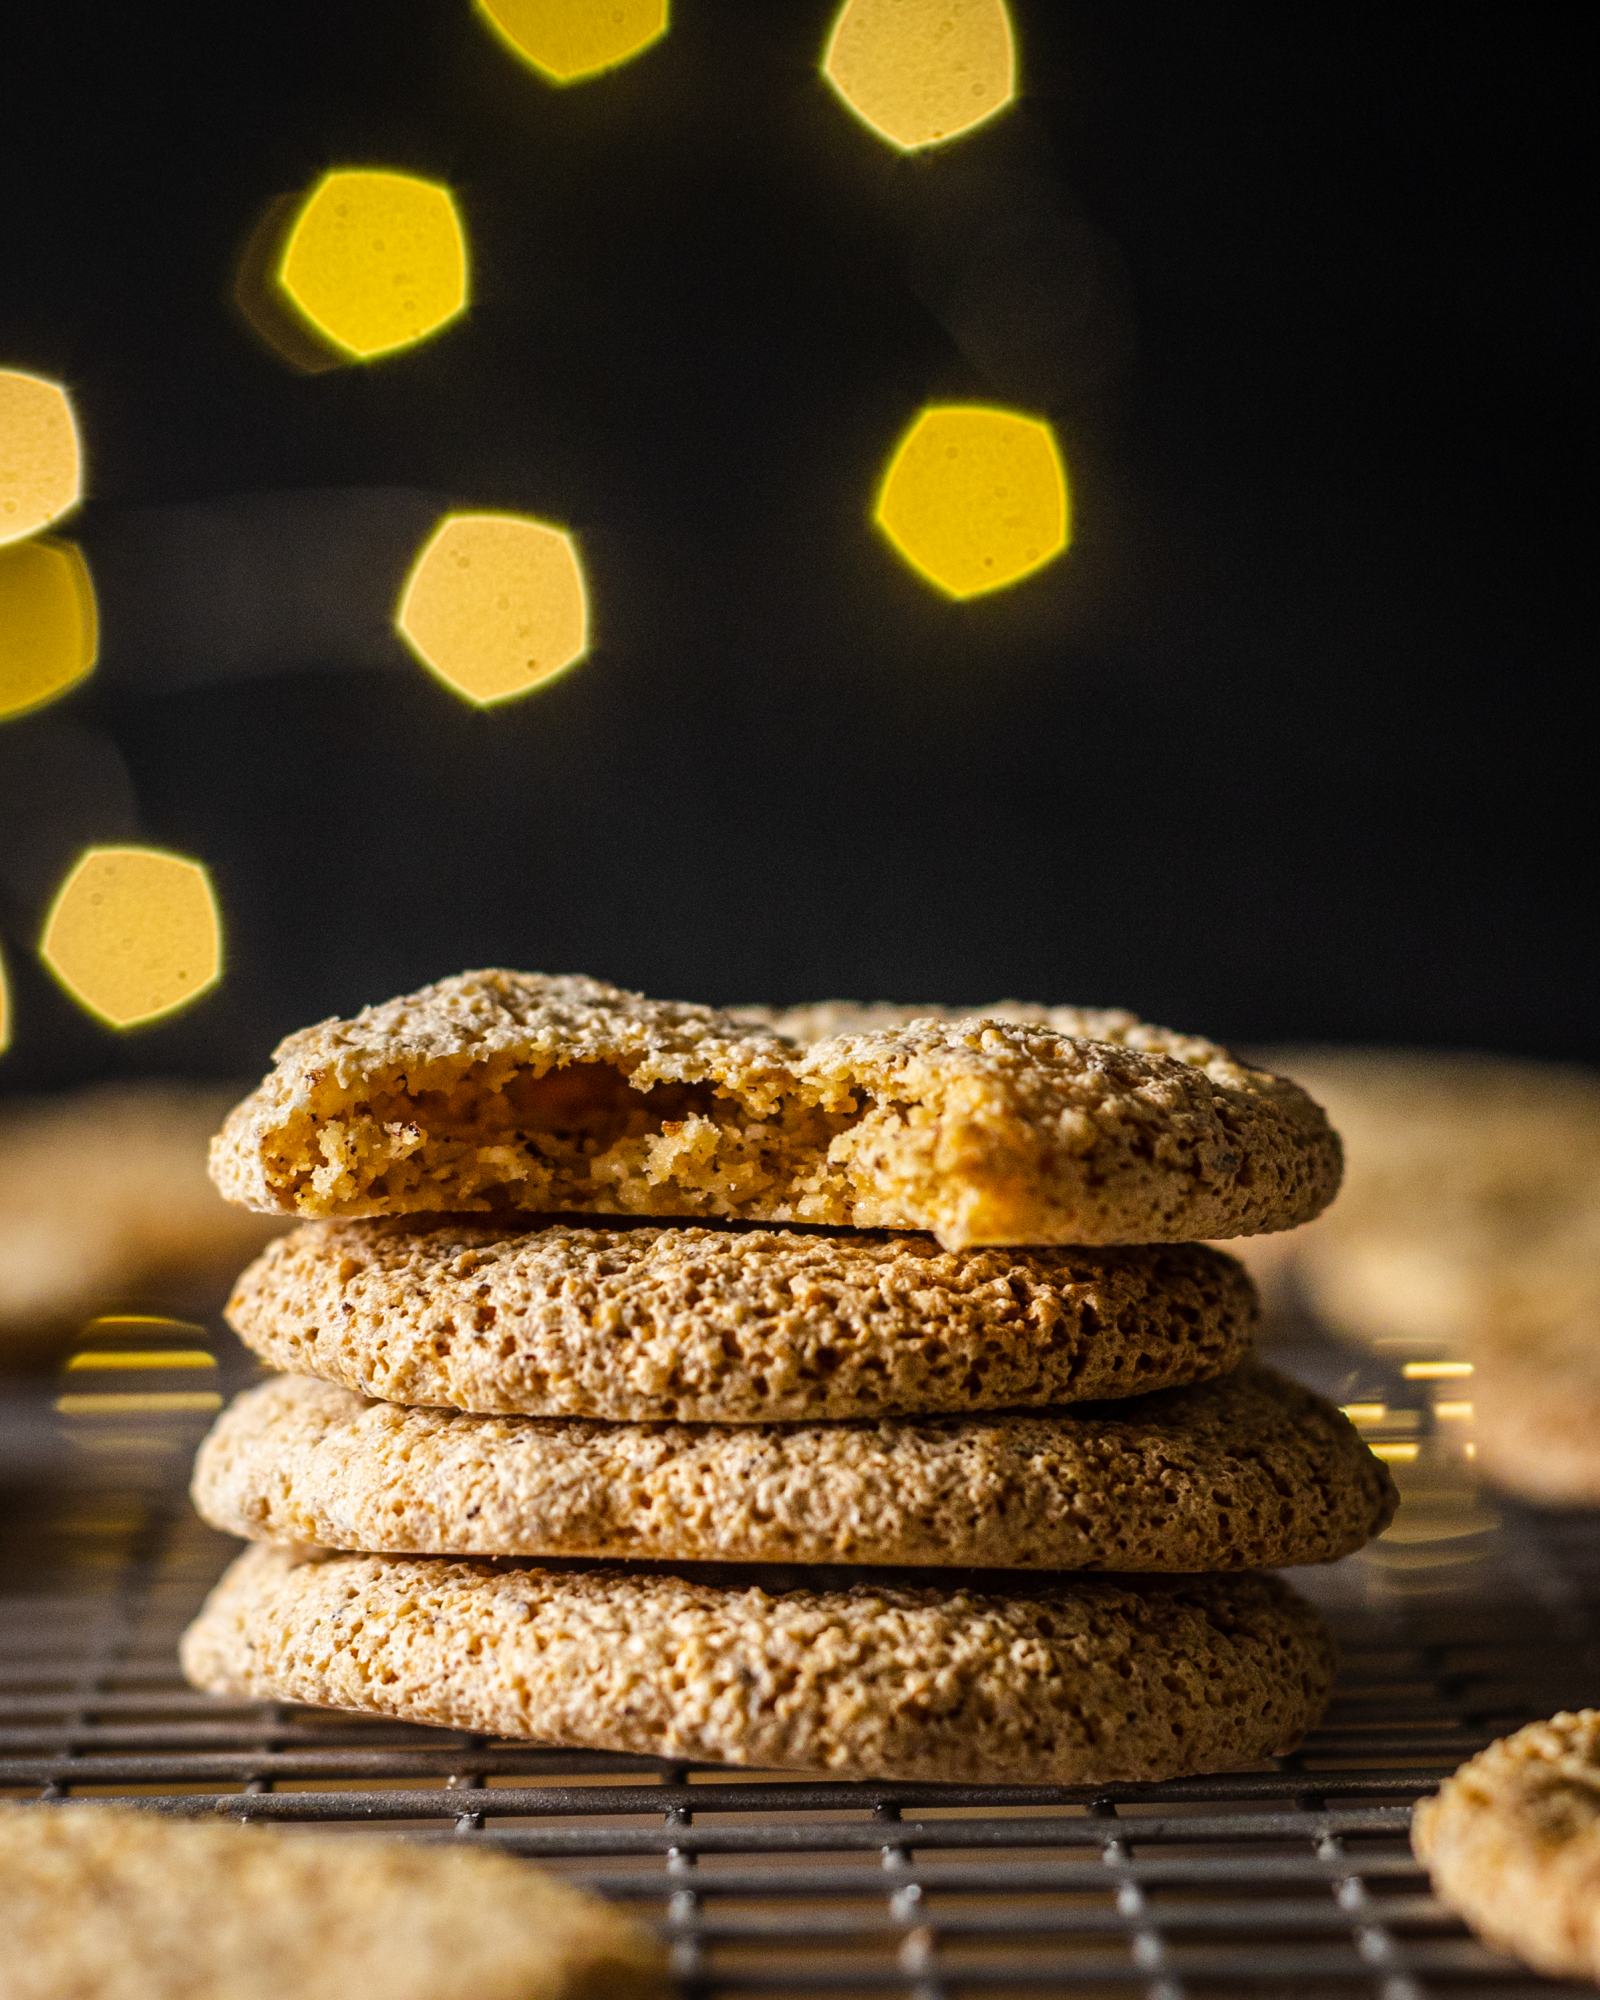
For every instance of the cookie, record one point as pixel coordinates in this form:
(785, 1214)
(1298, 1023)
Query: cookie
(505, 1091)
(1536, 1392)
(1249, 1473)
(1078, 1681)
(1471, 1177)
(133, 1906)
(1512, 1842)
(726, 1325)
(104, 1200)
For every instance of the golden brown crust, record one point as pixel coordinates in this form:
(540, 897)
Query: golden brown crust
(821, 1020)
(98, 1904)
(721, 1325)
(1250, 1473)
(502, 1090)
(1512, 1842)
(1074, 1682)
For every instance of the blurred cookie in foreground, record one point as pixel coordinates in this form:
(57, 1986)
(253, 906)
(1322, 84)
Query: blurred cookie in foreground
(1469, 1178)
(130, 1906)
(1512, 1842)
(104, 1200)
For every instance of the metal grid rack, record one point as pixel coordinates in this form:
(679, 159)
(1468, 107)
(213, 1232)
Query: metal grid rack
(1293, 1878)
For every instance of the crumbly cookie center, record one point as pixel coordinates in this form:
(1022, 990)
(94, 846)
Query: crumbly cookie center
(589, 1138)
(582, 1137)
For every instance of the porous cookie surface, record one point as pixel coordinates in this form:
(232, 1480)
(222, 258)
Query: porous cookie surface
(1070, 1681)
(727, 1325)
(1249, 1473)
(98, 1904)
(1512, 1842)
(519, 1091)
(821, 1020)
(103, 1194)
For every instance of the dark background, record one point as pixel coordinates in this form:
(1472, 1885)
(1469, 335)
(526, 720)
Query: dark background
(1289, 745)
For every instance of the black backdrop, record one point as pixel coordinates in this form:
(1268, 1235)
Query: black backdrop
(1288, 745)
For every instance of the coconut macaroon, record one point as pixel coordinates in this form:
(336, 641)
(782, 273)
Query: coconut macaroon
(521, 1092)
(732, 1324)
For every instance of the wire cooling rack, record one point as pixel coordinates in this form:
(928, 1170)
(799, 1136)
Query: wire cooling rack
(1469, 1618)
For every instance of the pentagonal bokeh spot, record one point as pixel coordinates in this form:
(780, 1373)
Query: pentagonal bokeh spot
(495, 604)
(975, 498)
(41, 458)
(375, 261)
(49, 626)
(134, 933)
(922, 72)
(567, 41)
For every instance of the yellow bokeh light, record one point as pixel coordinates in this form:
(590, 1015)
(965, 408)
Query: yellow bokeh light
(495, 604)
(49, 626)
(921, 72)
(138, 1402)
(375, 261)
(568, 41)
(41, 459)
(134, 933)
(265, 307)
(975, 498)
(98, 1361)
(5, 1009)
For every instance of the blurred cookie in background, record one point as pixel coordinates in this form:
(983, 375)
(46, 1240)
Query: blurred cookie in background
(1536, 1386)
(1468, 1225)
(105, 1205)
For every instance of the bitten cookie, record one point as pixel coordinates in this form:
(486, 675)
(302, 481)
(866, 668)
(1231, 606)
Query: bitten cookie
(132, 1906)
(1249, 1473)
(1072, 1682)
(497, 1091)
(1512, 1843)
(722, 1325)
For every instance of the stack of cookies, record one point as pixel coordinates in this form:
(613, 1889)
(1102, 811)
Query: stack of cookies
(884, 1455)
